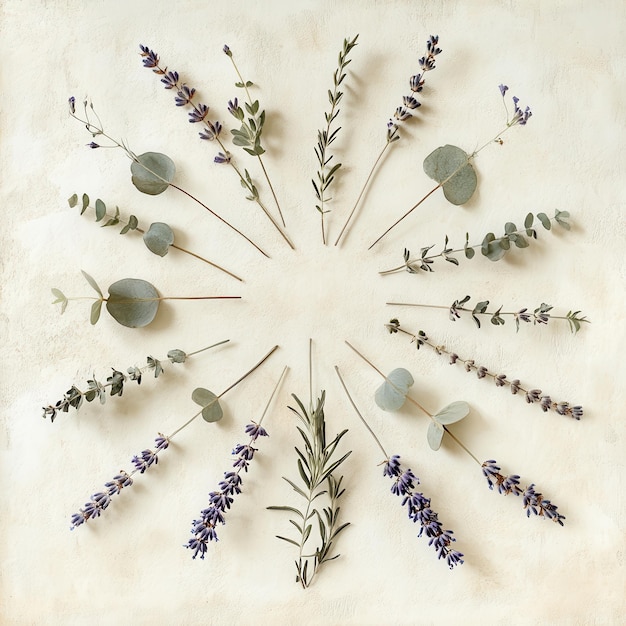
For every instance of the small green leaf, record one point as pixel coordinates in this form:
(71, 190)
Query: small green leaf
(133, 302)
(158, 238)
(528, 222)
(92, 282)
(390, 396)
(60, 298)
(152, 172)
(520, 242)
(96, 307)
(85, 203)
(177, 356)
(452, 413)
(545, 220)
(561, 217)
(435, 435)
(450, 165)
(495, 251)
(72, 200)
(100, 210)
(211, 409)
(509, 228)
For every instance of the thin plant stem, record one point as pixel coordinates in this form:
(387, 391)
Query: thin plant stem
(269, 402)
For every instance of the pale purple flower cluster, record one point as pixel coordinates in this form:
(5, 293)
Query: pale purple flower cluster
(519, 117)
(184, 97)
(203, 529)
(532, 500)
(416, 83)
(101, 500)
(420, 512)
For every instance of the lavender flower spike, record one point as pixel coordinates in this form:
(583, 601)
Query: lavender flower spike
(419, 511)
(203, 528)
(533, 501)
(101, 500)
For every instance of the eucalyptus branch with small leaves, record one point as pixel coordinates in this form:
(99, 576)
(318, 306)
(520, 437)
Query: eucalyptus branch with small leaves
(131, 302)
(530, 395)
(159, 237)
(74, 397)
(325, 137)
(401, 115)
(540, 315)
(492, 247)
(211, 411)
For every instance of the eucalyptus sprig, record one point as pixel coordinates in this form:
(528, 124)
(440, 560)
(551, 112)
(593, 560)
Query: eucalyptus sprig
(151, 172)
(492, 247)
(325, 137)
(159, 237)
(452, 167)
(530, 395)
(401, 115)
(540, 315)
(131, 302)
(395, 393)
(185, 96)
(211, 411)
(74, 397)
(249, 135)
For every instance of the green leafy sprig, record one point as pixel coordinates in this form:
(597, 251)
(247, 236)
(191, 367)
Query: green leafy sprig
(131, 302)
(325, 137)
(115, 382)
(249, 134)
(151, 172)
(531, 396)
(159, 237)
(492, 247)
(540, 315)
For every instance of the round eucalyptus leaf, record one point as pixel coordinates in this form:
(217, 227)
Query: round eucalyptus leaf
(177, 356)
(435, 435)
(158, 238)
(96, 307)
(390, 396)
(451, 164)
(133, 302)
(495, 251)
(211, 409)
(152, 172)
(452, 413)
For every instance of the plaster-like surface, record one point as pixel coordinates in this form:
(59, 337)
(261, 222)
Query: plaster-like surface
(564, 59)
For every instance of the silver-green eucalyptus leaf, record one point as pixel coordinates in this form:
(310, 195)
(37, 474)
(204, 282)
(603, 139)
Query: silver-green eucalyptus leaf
(92, 282)
(391, 395)
(100, 209)
(452, 413)
(158, 238)
(211, 409)
(152, 172)
(96, 307)
(435, 435)
(450, 165)
(133, 302)
(177, 356)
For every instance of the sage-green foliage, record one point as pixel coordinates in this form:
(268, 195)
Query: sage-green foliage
(316, 469)
(450, 414)
(248, 136)
(451, 167)
(391, 395)
(211, 409)
(492, 247)
(158, 238)
(152, 172)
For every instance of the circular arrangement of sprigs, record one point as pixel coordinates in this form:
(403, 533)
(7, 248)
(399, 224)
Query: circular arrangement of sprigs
(134, 303)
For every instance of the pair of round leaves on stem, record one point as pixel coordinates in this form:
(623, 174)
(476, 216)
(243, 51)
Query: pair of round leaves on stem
(392, 394)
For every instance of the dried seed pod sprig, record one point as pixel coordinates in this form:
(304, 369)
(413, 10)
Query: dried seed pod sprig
(152, 172)
(249, 135)
(492, 247)
(211, 411)
(401, 115)
(115, 382)
(396, 388)
(159, 237)
(530, 395)
(452, 167)
(203, 529)
(212, 130)
(325, 137)
(418, 505)
(540, 315)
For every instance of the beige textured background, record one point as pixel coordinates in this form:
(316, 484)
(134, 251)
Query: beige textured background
(565, 59)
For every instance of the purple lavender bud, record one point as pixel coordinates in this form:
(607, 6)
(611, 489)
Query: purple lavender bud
(454, 358)
(503, 89)
(535, 503)
(577, 412)
(184, 95)
(427, 63)
(212, 131)
(254, 431)
(118, 483)
(431, 45)
(198, 113)
(533, 395)
(515, 386)
(231, 485)
(221, 157)
(392, 466)
(469, 364)
(72, 104)
(93, 145)
(233, 105)
(416, 83)
(227, 51)
(150, 58)
(410, 102)
(546, 403)
(170, 80)
(402, 114)
(481, 372)
(499, 380)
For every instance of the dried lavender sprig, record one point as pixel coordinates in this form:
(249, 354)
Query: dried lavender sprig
(402, 113)
(250, 133)
(491, 247)
(100, 501)
(417, 504)
(326, 172)
(531, 395)
(97, 130)
(533, 501)
(203, 529)
(516, 120)
(540, 315)
(115, 383)
(212, 131)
